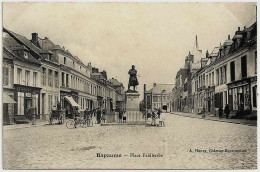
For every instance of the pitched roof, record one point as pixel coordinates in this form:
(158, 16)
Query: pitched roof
(214, 52)
(11, 45)
(162, 88)
(115, 82)
(25, 41)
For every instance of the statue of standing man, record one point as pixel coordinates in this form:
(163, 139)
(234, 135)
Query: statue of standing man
(133, 79)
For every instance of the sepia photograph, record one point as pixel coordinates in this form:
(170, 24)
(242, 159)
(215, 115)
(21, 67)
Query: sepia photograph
(129, 85)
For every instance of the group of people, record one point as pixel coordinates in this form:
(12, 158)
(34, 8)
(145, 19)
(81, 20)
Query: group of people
(153, 116)
(226, 111)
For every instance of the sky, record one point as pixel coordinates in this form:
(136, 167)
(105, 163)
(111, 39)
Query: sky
(155, 37)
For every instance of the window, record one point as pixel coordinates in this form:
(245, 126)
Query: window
(34, 79)
(56, 100)
(65, 60)
(27, 77)
(19, 75)
(56, 79)
(25, 54)
(62, 79)
(254, 96)
(212, 78)
(67, 80)
(5, 75)
(256, 62)
(243, 67)
(232, 71)
(50, 102)
(225, 74)
(50, 82)
(221, 76)
(217, 76)
(43, 76)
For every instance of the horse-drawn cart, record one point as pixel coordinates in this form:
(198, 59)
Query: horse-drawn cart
(58, 115)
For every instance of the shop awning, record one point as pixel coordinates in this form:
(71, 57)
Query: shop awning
(7, 99)
(71, 101)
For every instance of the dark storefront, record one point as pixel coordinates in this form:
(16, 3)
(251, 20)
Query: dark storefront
(28, 101)
(239, 94)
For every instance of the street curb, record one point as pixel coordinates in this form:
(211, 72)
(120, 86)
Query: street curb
(27, 126)
(217, 120)
(111, 124)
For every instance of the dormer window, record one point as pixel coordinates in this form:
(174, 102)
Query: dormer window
(25, 54)
(64, 60)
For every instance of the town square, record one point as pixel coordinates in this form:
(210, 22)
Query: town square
(129, 85)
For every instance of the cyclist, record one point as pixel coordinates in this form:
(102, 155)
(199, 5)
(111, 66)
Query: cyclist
(76, 116)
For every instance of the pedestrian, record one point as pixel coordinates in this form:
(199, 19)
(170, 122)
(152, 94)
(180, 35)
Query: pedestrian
(159, 113)
(86, 113)
(220, 112)
(104, 116)
(120, 116)
(227, 110)
(58, 106)
(98, 115)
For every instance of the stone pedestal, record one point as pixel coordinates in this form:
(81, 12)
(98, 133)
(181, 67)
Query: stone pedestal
(133, 114)
(132, 101)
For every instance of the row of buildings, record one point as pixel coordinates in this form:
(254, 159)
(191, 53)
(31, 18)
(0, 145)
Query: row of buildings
(37, 74)
(227, 75)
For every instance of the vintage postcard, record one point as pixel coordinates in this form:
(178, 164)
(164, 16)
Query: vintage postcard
(130, 85)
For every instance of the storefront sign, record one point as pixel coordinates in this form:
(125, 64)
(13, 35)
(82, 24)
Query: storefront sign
(27, 89)
(28, 95)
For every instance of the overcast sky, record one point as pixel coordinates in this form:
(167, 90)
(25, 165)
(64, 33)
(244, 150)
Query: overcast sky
(155, 37)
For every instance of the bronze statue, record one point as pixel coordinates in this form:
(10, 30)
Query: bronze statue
(133, 79)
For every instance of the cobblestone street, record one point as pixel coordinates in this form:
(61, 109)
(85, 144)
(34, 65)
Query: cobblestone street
(56, 147)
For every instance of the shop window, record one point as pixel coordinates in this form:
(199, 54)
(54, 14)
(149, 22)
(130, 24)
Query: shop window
(50, 102)
(232, 71)
(244, 67)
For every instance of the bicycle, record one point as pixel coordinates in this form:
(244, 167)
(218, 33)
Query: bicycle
(70, 124)
(88, 122)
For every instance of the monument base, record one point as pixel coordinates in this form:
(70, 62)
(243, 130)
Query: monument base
(133, 114)
(132, 101)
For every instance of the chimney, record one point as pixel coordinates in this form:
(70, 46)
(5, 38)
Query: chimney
(228, 37)
(238, 28)
(104, 74)
(154, 84)
(207, 54)
(35, 38)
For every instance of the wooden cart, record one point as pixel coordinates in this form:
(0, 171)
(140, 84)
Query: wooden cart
(58, 115)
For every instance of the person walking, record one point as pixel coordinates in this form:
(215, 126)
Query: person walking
(159, 113)
(104, 116)
(120, 116)
(220, 112)
(98, 115)
(227, 111)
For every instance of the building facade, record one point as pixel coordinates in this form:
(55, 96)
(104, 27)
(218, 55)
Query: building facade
(38, 73)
